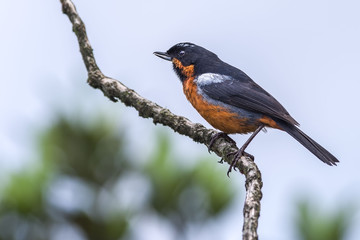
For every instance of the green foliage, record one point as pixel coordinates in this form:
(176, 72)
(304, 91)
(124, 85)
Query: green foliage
(76, 182)
(194, 194)
(91, 151)
(24, 192)
(312, 224)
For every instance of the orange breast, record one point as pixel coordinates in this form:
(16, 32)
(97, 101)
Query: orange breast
(219, 117)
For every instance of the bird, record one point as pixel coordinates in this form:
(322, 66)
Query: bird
(230, 101)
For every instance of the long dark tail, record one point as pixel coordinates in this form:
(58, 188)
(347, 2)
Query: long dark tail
(307, 142)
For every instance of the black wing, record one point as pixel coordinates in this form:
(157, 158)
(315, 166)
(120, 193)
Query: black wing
(246, 94)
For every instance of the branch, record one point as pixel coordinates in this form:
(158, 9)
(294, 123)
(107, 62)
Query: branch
(115, 90)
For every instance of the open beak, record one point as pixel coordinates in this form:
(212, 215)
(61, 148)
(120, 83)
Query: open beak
(163, 55)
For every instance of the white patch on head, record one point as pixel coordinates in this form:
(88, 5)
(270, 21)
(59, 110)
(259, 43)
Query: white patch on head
(209, 78)
(185, 45)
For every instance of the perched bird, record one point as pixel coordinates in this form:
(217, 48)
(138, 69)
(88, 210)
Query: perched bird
(231, 101)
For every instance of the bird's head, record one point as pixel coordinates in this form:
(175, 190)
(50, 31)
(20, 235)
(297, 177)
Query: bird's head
(187, 58)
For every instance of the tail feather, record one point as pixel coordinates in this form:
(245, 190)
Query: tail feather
(309, 143)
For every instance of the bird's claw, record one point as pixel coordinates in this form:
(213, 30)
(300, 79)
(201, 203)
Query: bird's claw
(217, 136)
(237, 155)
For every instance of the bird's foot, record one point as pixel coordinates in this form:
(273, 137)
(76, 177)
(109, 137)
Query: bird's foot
(237, 155)
(217, 136)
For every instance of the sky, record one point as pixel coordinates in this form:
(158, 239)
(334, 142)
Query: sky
(305, 53)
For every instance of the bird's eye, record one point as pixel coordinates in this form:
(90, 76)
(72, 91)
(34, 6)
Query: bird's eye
(181, 53)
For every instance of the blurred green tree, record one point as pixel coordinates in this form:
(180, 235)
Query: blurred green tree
(312, 224)
(87, 186)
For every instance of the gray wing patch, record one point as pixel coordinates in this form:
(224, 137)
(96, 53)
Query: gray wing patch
(210, 78)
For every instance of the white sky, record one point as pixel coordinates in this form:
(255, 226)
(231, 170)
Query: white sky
(305, 53)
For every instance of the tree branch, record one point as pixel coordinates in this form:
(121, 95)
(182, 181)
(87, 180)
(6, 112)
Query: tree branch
(115, 90)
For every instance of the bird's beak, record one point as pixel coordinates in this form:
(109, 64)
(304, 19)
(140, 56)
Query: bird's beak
(163, 55)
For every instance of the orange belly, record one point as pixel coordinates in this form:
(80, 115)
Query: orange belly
(219, 117)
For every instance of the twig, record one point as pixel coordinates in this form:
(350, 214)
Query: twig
(115, 90)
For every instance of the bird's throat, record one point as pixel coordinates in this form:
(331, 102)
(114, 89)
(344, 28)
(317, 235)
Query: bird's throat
(184, 72)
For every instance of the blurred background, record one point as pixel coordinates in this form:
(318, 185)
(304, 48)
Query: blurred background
(74, 165)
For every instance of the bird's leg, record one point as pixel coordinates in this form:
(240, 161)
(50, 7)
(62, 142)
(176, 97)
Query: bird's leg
(219, 135)
(241, 151)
